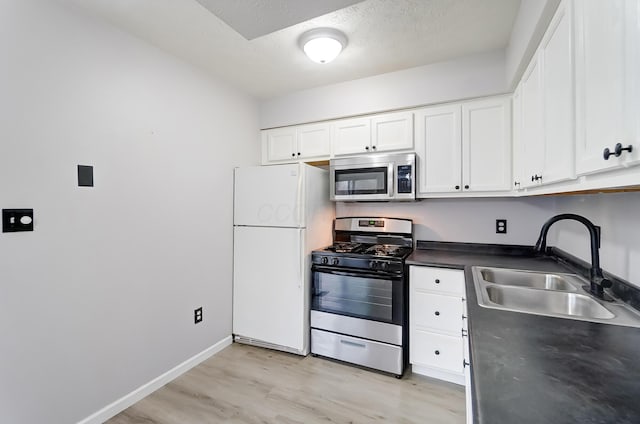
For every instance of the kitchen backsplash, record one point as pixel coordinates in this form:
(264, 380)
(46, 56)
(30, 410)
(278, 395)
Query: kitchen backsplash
(473, 220)
(464, 220)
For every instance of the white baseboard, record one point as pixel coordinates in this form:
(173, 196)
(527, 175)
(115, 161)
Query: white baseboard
(146, 389)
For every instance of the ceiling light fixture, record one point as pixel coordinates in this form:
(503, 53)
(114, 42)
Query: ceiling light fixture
(322, 45)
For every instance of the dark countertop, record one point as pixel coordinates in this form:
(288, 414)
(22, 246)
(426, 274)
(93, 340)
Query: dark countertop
(535, 369)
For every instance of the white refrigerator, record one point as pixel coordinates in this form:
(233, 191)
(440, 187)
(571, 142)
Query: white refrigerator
(281, 214)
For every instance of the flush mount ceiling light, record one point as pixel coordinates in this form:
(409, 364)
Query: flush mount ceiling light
(322, 45)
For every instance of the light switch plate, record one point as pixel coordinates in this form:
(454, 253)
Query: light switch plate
(14, 220)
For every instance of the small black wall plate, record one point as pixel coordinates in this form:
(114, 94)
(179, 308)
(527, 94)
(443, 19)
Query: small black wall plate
(14, 220)
(85, 176)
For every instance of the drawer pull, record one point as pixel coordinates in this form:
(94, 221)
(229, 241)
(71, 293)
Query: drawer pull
(437, 313)
(437, 352)
(347, 342)
(437, 281)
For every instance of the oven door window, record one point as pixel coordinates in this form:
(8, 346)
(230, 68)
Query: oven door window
(368, 296)
(361, 181)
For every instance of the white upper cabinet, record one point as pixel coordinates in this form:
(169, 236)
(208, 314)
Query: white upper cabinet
(291, 144)
(314, 141)
(380, 133)
(545, 145)
(607, 43)
(518, 160)
(439, 149)
(556, 59)
(279, 145)
(486, 145)
(464, 147)
(352, 136)
(532, 147)
(392, 131)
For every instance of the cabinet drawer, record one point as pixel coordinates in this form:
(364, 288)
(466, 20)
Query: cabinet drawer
(439, 280)
(436, 350)
(438, 312)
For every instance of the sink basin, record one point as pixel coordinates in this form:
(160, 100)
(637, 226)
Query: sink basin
(548, 302)
(550, 294)
(530, 279)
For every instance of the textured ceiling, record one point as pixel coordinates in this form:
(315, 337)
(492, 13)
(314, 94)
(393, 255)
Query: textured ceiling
(255, 18)
(384, 36)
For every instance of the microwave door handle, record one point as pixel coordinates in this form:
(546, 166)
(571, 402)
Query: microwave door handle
(391, 180)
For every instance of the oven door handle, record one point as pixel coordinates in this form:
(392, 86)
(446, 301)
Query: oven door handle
(381, 276)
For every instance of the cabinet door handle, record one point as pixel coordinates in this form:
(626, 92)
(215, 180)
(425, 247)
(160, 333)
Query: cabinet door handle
(437, 281)
(373, 147)
(617, 151)
(457, 187)
(298, 153)
(465, 333)
(293, 155)
(466, 186)
(366, 148)
(465, 363)
(437, 352)
(437, 313)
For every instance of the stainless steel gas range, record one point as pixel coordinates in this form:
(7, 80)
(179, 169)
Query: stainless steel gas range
(359, 294)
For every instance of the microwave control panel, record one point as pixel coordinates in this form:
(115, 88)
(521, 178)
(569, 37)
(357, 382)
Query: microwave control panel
(404, 179)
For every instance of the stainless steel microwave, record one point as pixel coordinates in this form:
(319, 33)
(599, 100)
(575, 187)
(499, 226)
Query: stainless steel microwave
(373, 177)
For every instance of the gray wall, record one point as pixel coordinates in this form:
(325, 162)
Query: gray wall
(99, 299)
(467, 77)
(619, 217)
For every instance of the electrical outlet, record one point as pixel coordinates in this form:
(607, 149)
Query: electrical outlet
(197, 315)
(501, 226)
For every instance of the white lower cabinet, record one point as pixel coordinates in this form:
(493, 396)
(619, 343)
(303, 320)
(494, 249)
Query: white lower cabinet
(438, 339)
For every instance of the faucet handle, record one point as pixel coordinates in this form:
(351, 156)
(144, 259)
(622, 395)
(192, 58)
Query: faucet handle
(606, 283)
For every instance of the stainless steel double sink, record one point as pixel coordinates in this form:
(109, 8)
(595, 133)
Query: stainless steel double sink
(549, 294)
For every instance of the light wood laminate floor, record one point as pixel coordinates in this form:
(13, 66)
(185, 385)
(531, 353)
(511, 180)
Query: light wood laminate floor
(245, 384)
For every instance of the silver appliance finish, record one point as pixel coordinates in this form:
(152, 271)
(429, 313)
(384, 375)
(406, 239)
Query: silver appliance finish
(548, 294)
(374, 330)
(390, 161)
(368, 353)
(381, 225)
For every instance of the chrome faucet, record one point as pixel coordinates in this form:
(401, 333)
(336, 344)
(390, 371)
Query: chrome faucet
(598, 282)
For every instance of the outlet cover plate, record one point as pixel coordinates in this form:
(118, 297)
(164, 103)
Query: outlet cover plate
(501, 226)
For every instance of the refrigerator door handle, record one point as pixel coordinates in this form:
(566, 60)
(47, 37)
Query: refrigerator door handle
(299, 198)
(301, 255)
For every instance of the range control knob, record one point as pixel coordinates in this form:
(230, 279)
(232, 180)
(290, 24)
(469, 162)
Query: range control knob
(384, 266)
(373, 264)
(324, 260)
(335, 261)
